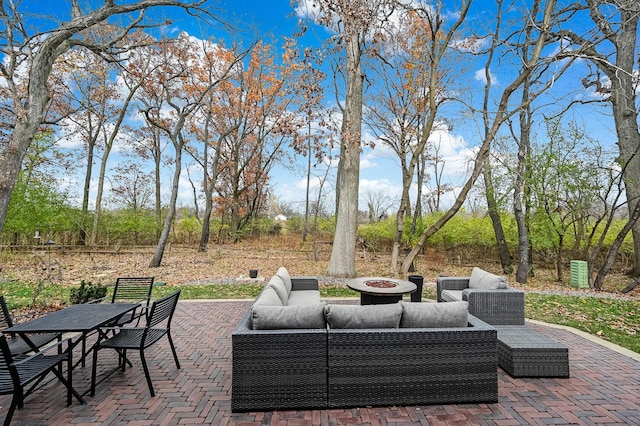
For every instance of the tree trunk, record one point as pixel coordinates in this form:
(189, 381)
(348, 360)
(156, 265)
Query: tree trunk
(613, 250)
(305, 230)
(156, 260)
(520, 193)
(96, 214)
(157, 158)
(558, 261)
(623, 100)
(342, 261)
(494, 214)
(82, 237)
(405, 205)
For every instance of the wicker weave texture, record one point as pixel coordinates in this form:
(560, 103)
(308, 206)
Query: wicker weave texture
(497, 307)
(412, 366)
(523, 352)
(278, 369)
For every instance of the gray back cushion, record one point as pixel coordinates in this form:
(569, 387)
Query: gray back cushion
(278, 285)
(483, 280)
(287, 317)
(434, 315)
(286, 278)
(367, 316)
(268, 297)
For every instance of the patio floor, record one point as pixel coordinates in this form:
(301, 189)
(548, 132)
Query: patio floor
(604, 388)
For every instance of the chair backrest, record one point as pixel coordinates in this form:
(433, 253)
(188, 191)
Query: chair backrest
(7, 375)
(132, 290)
(162, 309)
(5, 318)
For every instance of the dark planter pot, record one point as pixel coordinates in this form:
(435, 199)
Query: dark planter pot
(253, 273)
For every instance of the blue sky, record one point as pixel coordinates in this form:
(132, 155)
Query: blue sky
(380, 173)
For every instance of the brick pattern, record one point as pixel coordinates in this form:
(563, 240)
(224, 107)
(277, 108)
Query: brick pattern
(603, 388)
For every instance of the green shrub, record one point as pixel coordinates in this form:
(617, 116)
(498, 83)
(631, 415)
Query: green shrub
(87, 292)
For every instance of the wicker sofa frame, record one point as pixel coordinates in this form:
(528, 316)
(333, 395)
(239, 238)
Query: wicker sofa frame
(503, 306)
(279, 369)
(322, 368)
(410, 366)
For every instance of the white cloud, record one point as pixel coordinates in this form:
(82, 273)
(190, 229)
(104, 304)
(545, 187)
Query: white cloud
(481, 75)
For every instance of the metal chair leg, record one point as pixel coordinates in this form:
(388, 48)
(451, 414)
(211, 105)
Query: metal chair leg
(146, 372)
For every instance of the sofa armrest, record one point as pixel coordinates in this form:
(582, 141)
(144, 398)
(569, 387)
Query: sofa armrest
(503, 306)
(450, 283)
(304, 283)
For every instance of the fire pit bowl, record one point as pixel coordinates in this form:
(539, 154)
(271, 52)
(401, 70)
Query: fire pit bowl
(380, 284)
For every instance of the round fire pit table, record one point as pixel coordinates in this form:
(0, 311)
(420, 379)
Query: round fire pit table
(380, 290)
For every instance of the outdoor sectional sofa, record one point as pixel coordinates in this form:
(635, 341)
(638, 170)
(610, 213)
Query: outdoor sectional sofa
(301, 353)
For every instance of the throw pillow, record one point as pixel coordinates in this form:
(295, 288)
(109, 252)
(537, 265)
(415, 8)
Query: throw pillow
(288, 317)
(286, 278)
(434, 315)
(367, 316)
(483, 280)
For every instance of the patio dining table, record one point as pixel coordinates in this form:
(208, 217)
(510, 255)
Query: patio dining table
(82, 318)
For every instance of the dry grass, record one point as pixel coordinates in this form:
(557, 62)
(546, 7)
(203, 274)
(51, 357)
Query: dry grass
(183, 265)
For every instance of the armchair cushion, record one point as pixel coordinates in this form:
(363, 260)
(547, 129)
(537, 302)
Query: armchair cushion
(365, 316)
(434, 315)
(483, 280)
(288, 317)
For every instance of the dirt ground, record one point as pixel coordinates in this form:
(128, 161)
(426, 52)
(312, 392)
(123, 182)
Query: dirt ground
(226, 263)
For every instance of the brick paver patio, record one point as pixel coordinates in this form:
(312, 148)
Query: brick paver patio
(604, 388)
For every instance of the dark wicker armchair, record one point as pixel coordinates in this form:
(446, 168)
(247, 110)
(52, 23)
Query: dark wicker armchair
(503, 306)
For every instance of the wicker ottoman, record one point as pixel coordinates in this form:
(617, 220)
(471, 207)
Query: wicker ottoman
(523, 352)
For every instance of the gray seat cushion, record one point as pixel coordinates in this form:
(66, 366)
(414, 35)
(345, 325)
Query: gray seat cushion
(303, 297)
(451, 295)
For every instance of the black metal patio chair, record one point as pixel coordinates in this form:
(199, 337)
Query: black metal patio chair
(17, 345)
(133, 290)
(21, 375)
(140, 338)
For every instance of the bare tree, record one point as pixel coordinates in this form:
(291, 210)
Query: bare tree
(416, 78)
(532, 64)
(356, 24)
(613, 49)
(30, 56)
(184, 90)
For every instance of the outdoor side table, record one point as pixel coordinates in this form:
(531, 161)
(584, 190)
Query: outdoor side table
(380, 290)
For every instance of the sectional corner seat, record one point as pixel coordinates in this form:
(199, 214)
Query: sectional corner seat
(293, 351)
